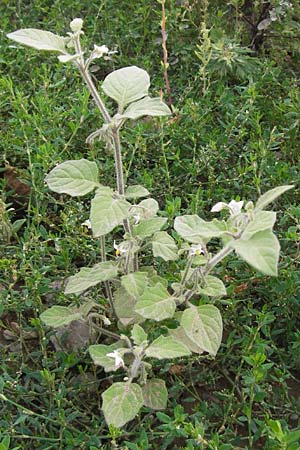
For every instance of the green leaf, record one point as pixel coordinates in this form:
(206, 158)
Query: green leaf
(156, 303)
(135, 283)
(98, 354)
(203, 325)
(138, 335)
(39, 39)
(75, 177)
(126, 85)
(107, 211)
(213, 287)
(136, 191)
(57, 316)
(145, 209)
(262, 220)
(155, 394)
(148, 227)
(261, 251)
(194, 229)
(146, 107)
(164, 246)
(166, 347)
(124, 305)
(180, 335)
(271, 195)
(121, 403)
(91, 276)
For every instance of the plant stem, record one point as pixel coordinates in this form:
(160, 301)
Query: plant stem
(106, 283)
(216, 259)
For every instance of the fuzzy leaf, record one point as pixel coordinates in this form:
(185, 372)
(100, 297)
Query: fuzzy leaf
(146, 107)
(148, 227)
(261, 251)
(194, 229)
(107, 211)
(203, 325)
(155, 394)
(262, 220)
(270, 196)
(166, 347)
(180, 335)
(91, 276)
(39, 39)
(145, 209)
(138, 334)
(75, 177)
(156, 303)
(163, 245)
(121, 403)
(57, 316)
(135, 283)
(98, 354)
(214, 287)
(124, 305)
(126, 85)
(136, 191)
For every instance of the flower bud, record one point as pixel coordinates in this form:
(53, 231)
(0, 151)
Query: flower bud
(76, 25)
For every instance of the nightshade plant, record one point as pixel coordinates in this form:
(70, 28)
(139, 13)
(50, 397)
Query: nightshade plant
(149, 318)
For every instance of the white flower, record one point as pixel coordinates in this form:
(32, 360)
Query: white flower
(76, 25)
(234, 207)
(119, 362)
(196, 250)
(121, 249)
(99, 51)
(87, 223)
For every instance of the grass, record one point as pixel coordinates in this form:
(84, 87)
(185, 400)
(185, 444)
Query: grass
(237, 140)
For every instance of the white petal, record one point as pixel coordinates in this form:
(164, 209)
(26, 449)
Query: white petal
(219, 206)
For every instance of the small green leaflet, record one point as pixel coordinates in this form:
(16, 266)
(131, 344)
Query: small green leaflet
(91, 276)
(271, 195)
(214, 287)
(39, 39)
(136, 191)
(164, 246)
(261, 251)
(121, 403)
(155, 394)
(74, 177)
(148, 227)
(194, 229)
(167, 347)
(107, 211)
(138, 334)
(203, 325)
(156, 303)
(126, 85)
(146, 107)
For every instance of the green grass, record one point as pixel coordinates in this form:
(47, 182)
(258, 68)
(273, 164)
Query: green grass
(238, 140)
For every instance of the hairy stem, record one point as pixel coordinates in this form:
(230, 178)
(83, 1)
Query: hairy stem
(106, 283)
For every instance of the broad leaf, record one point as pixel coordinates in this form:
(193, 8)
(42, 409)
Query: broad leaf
(156, 303)
(57, 316)
(75, 177)
(136, 191)
(124, 305)
(39, 39)
(146, 107)
(271, 195)
(163, 245)
(99, 356)
(126, 85)
(121, 403)
(135, 283)
(148, 227)
(145, 209)
(138, 334)
(107, 211)
(262, 220)
(203, 325)
(194, 229)
(91, 276)
(261, 251)
(180, 335)
(155, 394)
(214, 287)
(166, 347)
